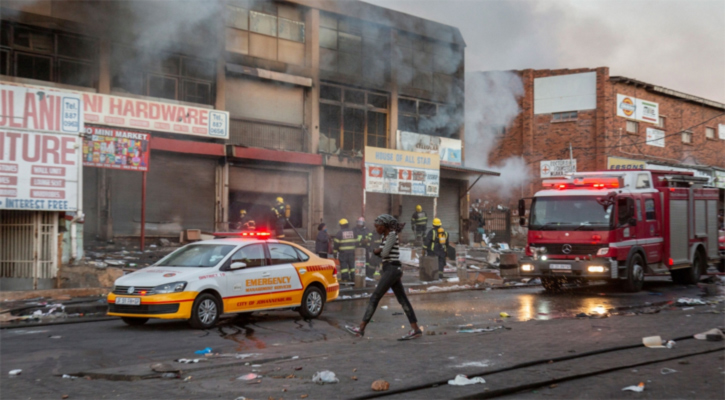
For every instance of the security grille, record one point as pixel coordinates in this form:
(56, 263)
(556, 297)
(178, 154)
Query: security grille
(28, 247)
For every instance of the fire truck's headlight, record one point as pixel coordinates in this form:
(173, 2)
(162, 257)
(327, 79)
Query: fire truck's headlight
(544, 258)
(595, 269)
(603, 251)
(527, 267)
(169, 288)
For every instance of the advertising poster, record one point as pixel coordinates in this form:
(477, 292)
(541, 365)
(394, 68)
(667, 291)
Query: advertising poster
(116, 149)
(638, 109)
(449, 150)
(39, 171)
(401, 172)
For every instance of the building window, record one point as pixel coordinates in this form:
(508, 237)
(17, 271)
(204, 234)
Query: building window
(661, 122)
(266, 21)
(687, 137)
(564, 116)
(354, 48)
(649, 210)
(420, 116)
(166, 76)
(47, 55)
(351, 119)
(632, 126)
(710, 133)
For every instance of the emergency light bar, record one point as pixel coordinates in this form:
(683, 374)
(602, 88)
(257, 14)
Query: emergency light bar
(243, 234)
(598, 182)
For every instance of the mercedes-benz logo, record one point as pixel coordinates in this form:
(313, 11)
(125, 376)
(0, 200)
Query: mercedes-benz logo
(131, 290)
(566, 249)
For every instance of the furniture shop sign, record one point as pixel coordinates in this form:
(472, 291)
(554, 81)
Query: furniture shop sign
(116, 149)
(554, 168)
(401, 172)
(638, 109)
(39, 171)
(40, 109)
(449, 150)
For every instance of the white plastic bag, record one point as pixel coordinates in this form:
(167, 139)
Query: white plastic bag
(323, 377)
(462, 380)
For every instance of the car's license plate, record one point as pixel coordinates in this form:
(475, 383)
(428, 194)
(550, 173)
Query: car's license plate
(128, 301)
(566, 267)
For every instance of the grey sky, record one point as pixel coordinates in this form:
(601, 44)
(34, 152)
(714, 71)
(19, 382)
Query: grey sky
(679, 44)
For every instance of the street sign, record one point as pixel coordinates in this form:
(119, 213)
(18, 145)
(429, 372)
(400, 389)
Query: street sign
(553, 168)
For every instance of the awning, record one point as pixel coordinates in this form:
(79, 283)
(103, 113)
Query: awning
(464, 173)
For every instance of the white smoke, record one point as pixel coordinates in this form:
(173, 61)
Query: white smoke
(492, 104)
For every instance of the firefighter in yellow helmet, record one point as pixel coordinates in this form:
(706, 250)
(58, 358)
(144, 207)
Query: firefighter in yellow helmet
(436, 244)
(344, 244)
(419, 222)
(246, 223)
(281, 212)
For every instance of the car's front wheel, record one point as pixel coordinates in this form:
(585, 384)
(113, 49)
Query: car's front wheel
(205, 312)
(313, 301)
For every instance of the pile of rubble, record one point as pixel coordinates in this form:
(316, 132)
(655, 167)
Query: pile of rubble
(128, 256)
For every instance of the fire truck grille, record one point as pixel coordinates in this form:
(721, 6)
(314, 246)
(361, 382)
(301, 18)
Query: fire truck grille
(576, 249)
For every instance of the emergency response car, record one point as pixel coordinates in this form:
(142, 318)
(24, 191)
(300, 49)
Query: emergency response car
(621, 225)
(238, 273)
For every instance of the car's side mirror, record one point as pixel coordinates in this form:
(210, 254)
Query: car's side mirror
(237, 265)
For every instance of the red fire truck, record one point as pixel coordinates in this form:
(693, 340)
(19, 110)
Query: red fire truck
(619, 226)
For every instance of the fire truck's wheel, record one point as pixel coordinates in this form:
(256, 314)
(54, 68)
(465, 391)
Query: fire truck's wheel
(692, 274)
(551, 284)
(205, 312)
(313, 301)
(635, 274)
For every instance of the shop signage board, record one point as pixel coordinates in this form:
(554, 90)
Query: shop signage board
(129, 113)
(555, 168)
(449, 150)
(116, 149)
(619, 163)
(39, 171)
(721, 131)
(40, 109)
(719, 178)
(401, 172)
(655, 137)
(641, 110)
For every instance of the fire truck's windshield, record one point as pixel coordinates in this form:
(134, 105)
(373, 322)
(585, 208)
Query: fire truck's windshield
(569, 213)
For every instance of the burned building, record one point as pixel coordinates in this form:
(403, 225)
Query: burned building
(195, 110)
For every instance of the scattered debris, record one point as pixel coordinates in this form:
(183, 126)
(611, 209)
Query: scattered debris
(638, 388)
(653, 342)
(482, 364)
(187, 379)
(690, 301)
(323, 377)
(304, 396)
(169, 375)
(384, 307)
(162, 367)
(353, 378)
(15, 372)
(667, 371)
(300, 368)
(504, 315)
(463, 380)
(65, 396)
(380, 385)
(187, 360)
(243, 356)
(479, 330)
(248, 377)
(712, 335)
(205, 351)
(66, 376)
(670, 344)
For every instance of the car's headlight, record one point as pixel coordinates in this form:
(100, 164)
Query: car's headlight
(172, 287)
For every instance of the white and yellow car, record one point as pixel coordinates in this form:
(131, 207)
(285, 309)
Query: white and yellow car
(202, 280)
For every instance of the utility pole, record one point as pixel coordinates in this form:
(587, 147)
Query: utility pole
(571, 153)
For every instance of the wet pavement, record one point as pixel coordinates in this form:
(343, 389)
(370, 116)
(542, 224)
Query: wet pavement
(109, 348)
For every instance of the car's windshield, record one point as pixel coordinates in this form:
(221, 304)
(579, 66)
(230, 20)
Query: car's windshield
(197, 255)
(569, 212)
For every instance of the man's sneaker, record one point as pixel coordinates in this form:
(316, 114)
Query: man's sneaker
(413, 334)
(355, 331)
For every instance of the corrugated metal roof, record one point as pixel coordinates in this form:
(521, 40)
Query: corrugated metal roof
(667, 92)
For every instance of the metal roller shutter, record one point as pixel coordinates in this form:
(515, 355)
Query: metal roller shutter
(409, 203)
(343, 199)
(449, 208)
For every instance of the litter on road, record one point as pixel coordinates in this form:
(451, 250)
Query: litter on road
(205, 351)
(667, 371)
(637, 388)
(380, 385)
(504, 315)
(15, 372)
(463, 380)
(653, 342)
(323, 377)
(710, 335)
(248, 377)
(690, 301)
(479, 330)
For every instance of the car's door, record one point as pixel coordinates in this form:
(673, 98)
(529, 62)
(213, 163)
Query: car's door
(283, 279)
(236, 293)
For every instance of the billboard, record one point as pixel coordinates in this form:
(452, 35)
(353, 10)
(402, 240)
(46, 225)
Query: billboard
(40, 109)
(401, 172)
(39, 171)
(634, 108)
(116, 149)
(449, 150)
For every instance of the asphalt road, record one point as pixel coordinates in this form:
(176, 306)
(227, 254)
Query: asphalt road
(118, 357)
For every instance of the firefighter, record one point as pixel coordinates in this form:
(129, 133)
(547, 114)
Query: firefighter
(281, 213)
(436, 244)
(344, 249)
(419, 222)
(246, 222)
(364, 240)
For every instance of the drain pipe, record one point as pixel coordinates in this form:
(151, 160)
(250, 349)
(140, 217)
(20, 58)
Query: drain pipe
(79, 196)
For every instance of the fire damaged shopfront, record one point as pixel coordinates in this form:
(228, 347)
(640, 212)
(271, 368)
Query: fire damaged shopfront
(187, 124)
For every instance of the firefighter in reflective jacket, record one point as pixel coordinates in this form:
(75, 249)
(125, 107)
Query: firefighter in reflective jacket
(419, 222)
(436, 244)
(281, 212)
(246, 223)
(365, 240)
(344, 245)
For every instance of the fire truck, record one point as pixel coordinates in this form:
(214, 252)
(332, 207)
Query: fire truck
(619, 226)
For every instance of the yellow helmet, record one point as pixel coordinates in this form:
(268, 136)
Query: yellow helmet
(418, 208)
(441, 230)
(280, 200)
(437, 222)
(343, 221)
(243, 212)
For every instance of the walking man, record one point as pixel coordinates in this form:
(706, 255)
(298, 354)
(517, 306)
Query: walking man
(387, 226)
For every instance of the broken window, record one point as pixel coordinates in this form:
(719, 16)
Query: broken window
(162, 86)
(75, 73)
(353, 47)
(33, 67)
(330, 124)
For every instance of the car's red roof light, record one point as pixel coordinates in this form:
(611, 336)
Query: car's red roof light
(243, 234)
